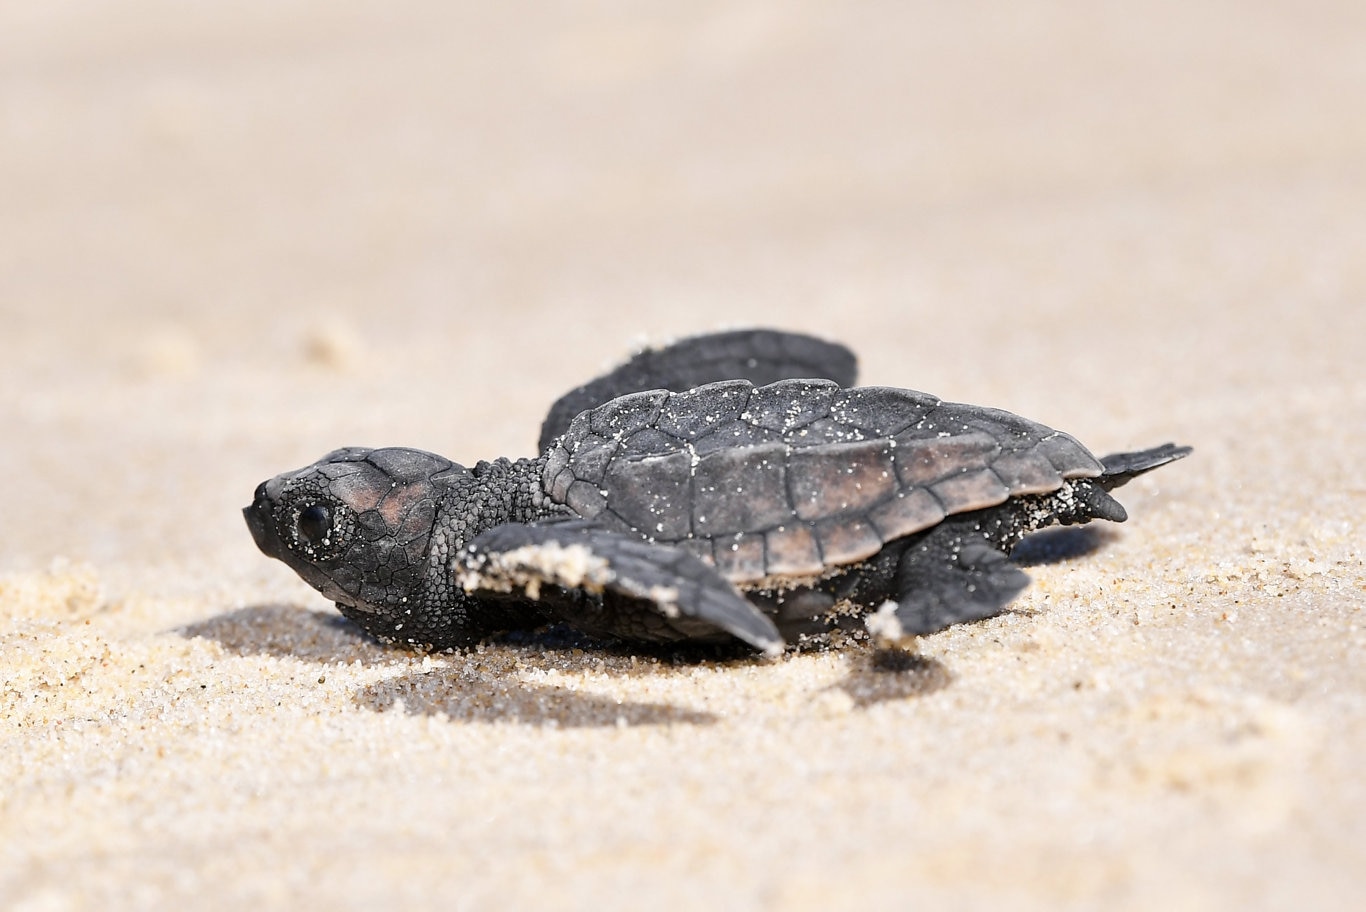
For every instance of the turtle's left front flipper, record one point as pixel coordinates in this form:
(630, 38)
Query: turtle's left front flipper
(612, 584)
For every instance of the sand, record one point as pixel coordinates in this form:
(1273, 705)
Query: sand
(236, 236)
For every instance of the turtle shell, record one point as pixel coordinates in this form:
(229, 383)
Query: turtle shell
(796, 478)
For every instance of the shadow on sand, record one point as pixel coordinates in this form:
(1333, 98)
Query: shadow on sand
(894, 674)
(474, 688)
(463, 695)
(1053, 546)
(485, 684)
(291, 632)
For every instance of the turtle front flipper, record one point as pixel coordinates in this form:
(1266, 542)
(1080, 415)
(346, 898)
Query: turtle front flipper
(611, 584)
(950, 576)
(761, 356)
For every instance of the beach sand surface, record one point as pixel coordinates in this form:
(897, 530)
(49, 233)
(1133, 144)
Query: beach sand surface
(236, 236)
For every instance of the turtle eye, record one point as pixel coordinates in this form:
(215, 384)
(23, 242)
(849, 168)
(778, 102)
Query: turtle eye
(314, 524)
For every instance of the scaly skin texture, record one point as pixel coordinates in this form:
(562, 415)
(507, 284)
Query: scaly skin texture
(395, 519)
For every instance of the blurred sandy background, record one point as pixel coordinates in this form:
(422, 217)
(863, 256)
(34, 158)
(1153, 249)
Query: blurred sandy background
(234, 236)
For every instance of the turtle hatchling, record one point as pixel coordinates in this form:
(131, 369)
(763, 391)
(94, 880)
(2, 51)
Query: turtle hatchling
(728, 486)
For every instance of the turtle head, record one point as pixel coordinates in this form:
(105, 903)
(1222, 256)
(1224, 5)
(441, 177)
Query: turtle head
(358, 525)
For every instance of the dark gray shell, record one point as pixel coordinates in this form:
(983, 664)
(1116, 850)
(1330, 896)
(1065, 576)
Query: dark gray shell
(792, 479)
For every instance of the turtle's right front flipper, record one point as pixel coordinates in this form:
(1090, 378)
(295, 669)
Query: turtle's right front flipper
(612, 584)
(761, 356)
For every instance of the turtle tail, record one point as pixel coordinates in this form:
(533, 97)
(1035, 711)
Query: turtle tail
(1121, 467)
(1086, 499)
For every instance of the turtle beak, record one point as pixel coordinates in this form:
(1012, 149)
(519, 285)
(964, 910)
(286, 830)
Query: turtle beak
(257, 515)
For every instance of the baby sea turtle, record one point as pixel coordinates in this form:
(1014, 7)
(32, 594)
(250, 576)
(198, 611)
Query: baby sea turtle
(732, 485)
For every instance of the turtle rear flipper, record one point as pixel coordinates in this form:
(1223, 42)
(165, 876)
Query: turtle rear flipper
(1120, 468)
(761, 356)
(612, 584)
(1085, 499)
(949, 578)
